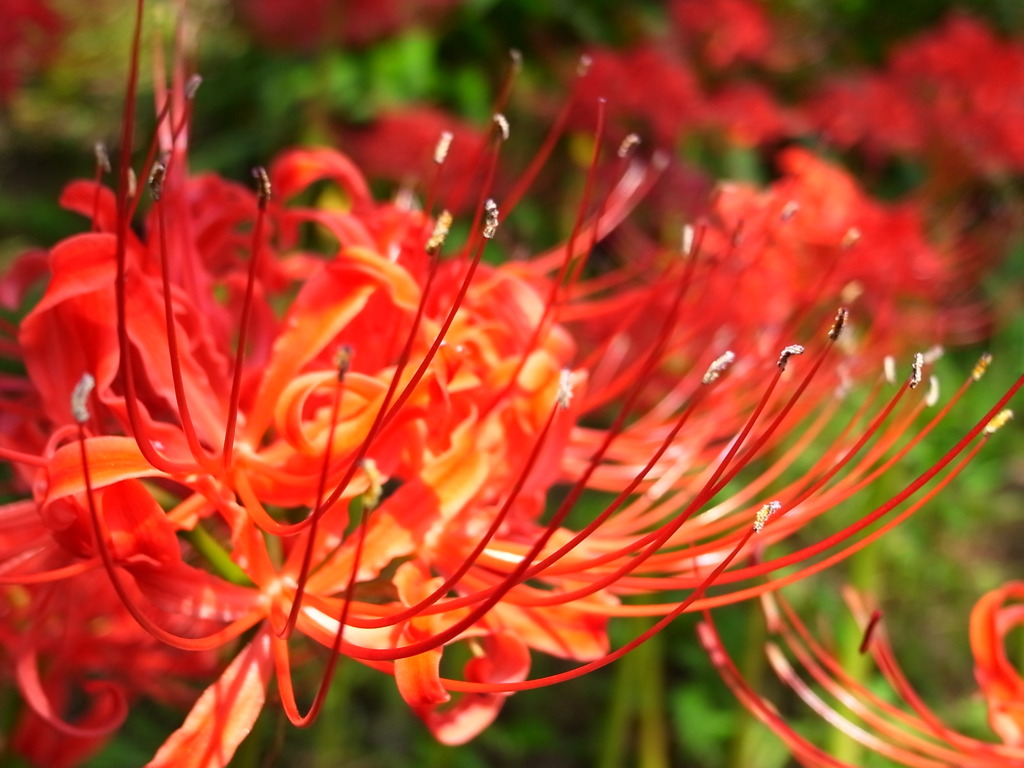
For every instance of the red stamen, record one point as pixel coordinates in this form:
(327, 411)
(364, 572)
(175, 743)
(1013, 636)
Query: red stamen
(264, 191)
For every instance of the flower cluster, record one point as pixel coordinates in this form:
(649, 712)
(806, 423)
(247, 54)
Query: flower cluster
(239, 420)
(929, 101)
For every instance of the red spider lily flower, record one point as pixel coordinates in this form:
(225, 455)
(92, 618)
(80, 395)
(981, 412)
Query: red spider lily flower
(851, 110)
(910, 733)
(257, 415)
(31, 31)
(724, 32)
(653, 90)
(929, 100)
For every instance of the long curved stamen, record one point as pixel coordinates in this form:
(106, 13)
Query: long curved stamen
(344, 361)
(80, 410)
(263, 192)
(199, 453)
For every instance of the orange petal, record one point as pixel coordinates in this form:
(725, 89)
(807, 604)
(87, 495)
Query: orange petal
(223, 715)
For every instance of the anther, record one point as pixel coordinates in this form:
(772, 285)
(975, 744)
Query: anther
(889, 368)
(933, 353)
(789, 210)
(133, 183)
(490, 219)
(852, 291)
(192, 86)
(444, 143)
(764, 513)
(263, 188)
(915, 370)
(502, 124)
(981, 366)
(440, 233)
(99, 149)
(80, 398)
(631, 142)
(718, 366)
(933, 391)
(517, 60)
(788, 352)
(372, 495)
(838, 324)
(688, 240)
(584, 65)
(564, 396)
(869, 631)
(997, 422)
(156, 179)
(343, 360)
(851, 237)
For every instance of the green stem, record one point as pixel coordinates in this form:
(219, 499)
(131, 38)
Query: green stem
(218, 558)
(638, 698)
(613, 750)
(748, 736)
(330, 736)
(864, 577)
(654, 749)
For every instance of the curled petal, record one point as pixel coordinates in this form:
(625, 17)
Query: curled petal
(106, 712)
(111, 459)
(294, 171)
(991, 621)
(501, 658)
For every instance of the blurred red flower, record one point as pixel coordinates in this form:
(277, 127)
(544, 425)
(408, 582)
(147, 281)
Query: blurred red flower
(28, 36)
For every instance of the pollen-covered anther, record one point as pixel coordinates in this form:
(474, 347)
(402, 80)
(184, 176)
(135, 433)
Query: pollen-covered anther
(133, 183)
(788, 352)
(631, 142)
(490, 219)
(838, 324)
(263, 188)
(516, 57)
(916, 371)
(192, 86)
(933, 391)
(99, 149)
(156, 179)
(583, 66)
(564, 395)
(501, 123)
(444, 143)
(789, 210)
(851, 237)
(997, 422)
(889, 368)
(687, 241)
(80, 398)
(852, 291)
(981, 366)
(764, 513)
(343, 360)
(441, 228)
(372, 495)
(933, 353)
(718, 366)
